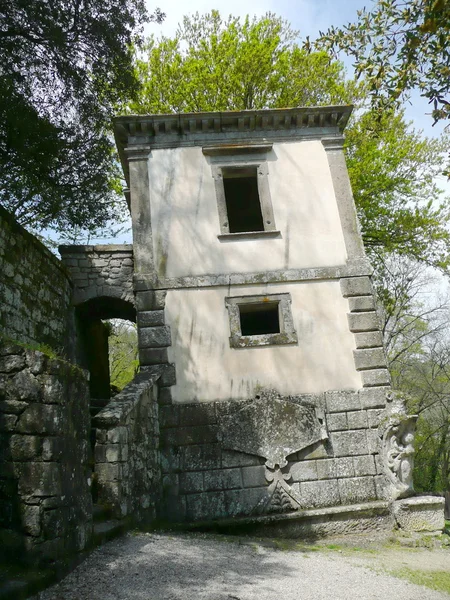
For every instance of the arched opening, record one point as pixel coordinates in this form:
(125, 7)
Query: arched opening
(99, 320)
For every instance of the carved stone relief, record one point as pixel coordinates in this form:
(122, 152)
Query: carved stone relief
(397, 451)
(274, 427)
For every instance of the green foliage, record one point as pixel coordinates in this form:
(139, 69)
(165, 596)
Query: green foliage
(123, 352)
(64, 66)
(393, 169)
(435, 580)
(397, 46)
(214, 65)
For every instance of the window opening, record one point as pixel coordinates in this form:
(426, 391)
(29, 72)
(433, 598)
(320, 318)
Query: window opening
(258, 319)
(242, 199)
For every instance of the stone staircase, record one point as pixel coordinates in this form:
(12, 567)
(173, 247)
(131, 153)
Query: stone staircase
(105, 526)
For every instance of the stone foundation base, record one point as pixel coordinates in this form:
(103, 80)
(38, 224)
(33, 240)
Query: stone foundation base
(420, 513)
(309, 524)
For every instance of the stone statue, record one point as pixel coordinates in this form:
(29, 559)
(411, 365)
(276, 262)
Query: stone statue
(397, 434)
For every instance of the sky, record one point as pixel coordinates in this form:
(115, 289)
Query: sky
(307, 16)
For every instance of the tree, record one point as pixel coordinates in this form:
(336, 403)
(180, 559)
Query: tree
(64, 65)
(212, 64)
(216, 65)
(393, 171)
(415, 323)
(398, 46)
(123, 352)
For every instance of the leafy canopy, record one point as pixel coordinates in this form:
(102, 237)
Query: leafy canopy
(64, 66)
(212, 64)
(398, 46)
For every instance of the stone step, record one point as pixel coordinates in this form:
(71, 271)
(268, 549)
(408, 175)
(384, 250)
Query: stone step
(108, 530)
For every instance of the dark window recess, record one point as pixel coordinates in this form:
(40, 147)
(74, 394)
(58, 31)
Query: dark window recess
(257, 319)
(242, 200)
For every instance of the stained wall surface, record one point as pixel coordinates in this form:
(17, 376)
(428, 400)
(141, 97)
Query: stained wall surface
(208, 369)
(185, 219)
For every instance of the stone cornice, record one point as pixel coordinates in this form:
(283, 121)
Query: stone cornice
(234, 127)
(353, 268)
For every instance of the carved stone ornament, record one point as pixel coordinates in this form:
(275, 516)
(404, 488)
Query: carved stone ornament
(397, 452)
(273, 427)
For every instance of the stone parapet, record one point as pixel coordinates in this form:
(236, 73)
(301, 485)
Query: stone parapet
(127, 464)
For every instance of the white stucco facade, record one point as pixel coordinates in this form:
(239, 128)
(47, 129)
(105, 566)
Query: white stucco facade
(208, 369)
(185, 219)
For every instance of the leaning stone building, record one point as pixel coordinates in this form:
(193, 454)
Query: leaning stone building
(263, 394)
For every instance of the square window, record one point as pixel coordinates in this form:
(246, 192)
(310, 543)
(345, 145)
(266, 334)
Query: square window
(259, 318)
(261, 321)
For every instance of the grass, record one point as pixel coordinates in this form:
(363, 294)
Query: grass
(435, 580)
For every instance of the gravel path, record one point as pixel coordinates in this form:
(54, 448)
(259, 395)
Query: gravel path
(201, 567)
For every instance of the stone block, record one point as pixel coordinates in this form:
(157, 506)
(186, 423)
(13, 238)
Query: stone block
(375, 377)
(108, 472)
(356, 286)
(206, 506)
(373, 441)
(222, 479)
(150, 318)
(344, 466)
(153, 356)
(357, 489)
(11, 363)
(169, 416)
(244, 502)
(200, 458)
(164, 396)
(39, 478)
(337, 421)
(25, 447)
(318, 450)
(186, 436)
(31, 520)
(154, 337)
(170, 485)
(53, 448)
(25, 386)
(364, 465)
(361, 303)
(118, 435)
(168, 376)
(318, 493)
(375, 416)
(191, 482)
(116, 453)
(197, 414)
(338, 401)
(326, 469)
(170, 459)
(357, 419)
(304, 471)
(367, 321)
(254, 476)
(369, 339)
(41, 418)
(232, 458)
(349, 443)
(374, 397)
(369, 358)
(151, 300)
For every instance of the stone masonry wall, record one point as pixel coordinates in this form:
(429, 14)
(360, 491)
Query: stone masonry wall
(203, 480)
(45, 497)
(127, 464)
(35, 290)
(99, 271)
